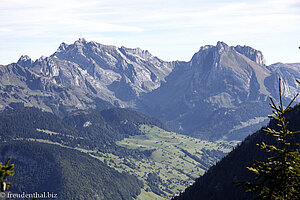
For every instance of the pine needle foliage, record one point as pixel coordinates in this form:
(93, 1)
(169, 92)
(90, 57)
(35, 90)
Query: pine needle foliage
(6, 170)
(277, 178)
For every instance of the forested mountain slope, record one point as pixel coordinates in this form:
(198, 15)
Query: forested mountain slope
(163, 162)
(217, 182)
(70, 174)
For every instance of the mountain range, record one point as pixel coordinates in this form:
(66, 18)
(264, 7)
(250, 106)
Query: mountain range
(220, 94)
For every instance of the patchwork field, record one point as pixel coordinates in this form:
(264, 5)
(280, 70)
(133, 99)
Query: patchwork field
(175, 162)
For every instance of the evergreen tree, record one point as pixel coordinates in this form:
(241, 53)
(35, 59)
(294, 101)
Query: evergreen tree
(278, 177)
(5, 171)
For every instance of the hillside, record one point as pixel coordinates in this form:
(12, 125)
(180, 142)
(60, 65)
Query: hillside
(124, 140)
(82, 129)
(217, 182)
(68, 173)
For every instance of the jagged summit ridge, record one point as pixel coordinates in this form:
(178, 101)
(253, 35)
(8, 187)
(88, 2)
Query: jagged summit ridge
(62, 47)
(134, 69)
(117, 75)
(222, 46)
(251, 53)
(25, 60)
(85, 47)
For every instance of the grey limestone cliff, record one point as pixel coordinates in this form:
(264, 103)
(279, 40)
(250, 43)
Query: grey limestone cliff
(221, 93)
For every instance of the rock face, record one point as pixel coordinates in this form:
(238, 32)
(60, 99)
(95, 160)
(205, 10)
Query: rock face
(124, 72)
(222, 92)
(252, 54)
(289, 73)
(25, 61)
(83, 72)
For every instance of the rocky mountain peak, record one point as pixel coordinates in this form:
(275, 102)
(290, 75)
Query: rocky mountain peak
(222, 46)
(62, 47)
(225, 55)
(80, 48)
(25, 61)
(80, 41)
(209, 56)
(227, 72)
(252, 54)
(80, 44)
(24, 58)
(42, 58)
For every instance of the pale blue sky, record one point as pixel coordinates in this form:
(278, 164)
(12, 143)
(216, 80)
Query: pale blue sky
(169, 29)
